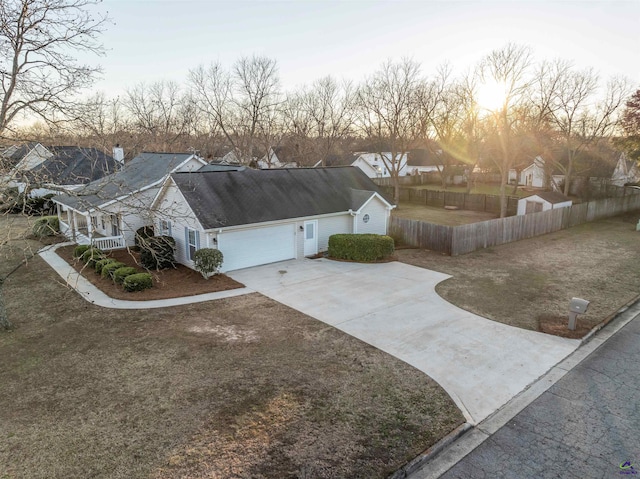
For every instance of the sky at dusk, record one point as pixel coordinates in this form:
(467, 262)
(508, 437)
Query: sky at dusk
(162, 39)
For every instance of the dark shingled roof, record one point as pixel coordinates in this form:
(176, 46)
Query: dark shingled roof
(143, 171)
(552, 197)
(13, 154)
(72, 165)
(213, 166)
(232, 198)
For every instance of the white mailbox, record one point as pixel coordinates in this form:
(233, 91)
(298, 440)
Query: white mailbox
(576, 307)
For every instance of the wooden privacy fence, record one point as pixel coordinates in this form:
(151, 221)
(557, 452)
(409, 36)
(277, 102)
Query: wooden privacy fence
(464, 201)
(456, 240)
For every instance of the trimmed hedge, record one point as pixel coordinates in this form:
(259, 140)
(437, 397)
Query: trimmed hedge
(360, 247)
(46, 226)
(108, 269)
(137, 282)
(208, 261)
(91, 255)
(121, 273)
(158, 252)
(102, 263)
(79, 250)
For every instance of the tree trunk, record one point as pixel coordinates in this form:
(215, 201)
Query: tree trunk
(503, 192)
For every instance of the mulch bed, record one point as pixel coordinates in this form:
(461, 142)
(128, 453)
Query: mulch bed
(558, 325)
(167, 283)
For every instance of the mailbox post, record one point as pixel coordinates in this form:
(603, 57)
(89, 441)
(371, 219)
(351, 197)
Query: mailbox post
(576, 307)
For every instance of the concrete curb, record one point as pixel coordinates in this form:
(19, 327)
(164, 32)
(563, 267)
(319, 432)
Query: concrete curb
(462, 444)
(419, 461)
(93, 295)
(608, 319)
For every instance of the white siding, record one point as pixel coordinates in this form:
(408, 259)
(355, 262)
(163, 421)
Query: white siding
(134, 212)
(378, 218)
(173, 207)
(191, 165)
(331, 226)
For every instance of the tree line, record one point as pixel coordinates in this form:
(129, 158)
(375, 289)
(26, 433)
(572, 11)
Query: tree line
(547, 108)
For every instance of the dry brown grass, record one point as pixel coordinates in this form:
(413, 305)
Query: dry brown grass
(521, 282)
(242, 386)
(433, 214)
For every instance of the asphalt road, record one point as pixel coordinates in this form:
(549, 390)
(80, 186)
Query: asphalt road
(587, 425)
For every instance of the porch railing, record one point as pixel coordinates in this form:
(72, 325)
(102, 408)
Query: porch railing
(109, 242)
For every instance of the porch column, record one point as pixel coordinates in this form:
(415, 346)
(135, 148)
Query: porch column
(89, 227)
(72, 223)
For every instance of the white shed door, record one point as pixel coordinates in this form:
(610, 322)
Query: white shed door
(243, 249)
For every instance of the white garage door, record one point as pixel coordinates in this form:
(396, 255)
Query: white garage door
(242, 249)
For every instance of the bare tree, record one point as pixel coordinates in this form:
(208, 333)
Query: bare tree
(161, 113)
(508, 67)
(39, 39)
(320, 117)
(389, 111)
(580, 117)
(243, 103)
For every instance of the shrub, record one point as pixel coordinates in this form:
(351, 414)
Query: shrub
(46, 226)
(79, 250)
(137, 282)
(102, 263)
(91, 255)
(142, 234)
(109, 268)
(158, 252)
(360, 247)
(121, 273)
(207, 261)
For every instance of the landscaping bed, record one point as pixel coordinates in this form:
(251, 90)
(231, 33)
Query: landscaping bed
(527, 282)
(167, 283)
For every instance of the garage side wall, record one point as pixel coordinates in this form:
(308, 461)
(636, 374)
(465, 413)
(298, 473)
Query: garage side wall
(378, 218)
(331, 226)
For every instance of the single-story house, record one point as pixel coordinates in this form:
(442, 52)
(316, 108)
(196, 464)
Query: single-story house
(374, 166)
(533, 175)
(107, 212)
(543, 201)
(69, 168)
(257, 217)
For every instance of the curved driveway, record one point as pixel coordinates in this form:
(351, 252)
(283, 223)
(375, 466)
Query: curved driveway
(481, 363)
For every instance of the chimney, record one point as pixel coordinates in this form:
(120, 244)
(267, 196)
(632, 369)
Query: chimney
(118, 155)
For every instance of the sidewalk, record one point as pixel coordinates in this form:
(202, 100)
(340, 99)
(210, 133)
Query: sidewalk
(93, 295)
(579, 420)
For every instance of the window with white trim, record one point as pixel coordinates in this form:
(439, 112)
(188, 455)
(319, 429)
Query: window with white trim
(165, 227)
(192, 242)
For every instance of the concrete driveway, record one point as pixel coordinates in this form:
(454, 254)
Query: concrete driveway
(481, 363)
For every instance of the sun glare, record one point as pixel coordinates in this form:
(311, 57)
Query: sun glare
(491, 96)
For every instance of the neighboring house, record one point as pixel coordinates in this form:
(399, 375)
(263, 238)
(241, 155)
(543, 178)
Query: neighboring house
(375, 167)
(543, 201)
(15, 160)
(626, 171)
(270, 160)
(69, 168)
(534, 175)
(107, 212)
(424, 161)
(258, 217)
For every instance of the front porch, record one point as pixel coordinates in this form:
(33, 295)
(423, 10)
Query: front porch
(83, 229)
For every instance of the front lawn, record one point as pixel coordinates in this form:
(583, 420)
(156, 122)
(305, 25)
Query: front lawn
(240, 387)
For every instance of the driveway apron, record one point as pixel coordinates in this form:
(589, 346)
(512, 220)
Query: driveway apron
(393, 306)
